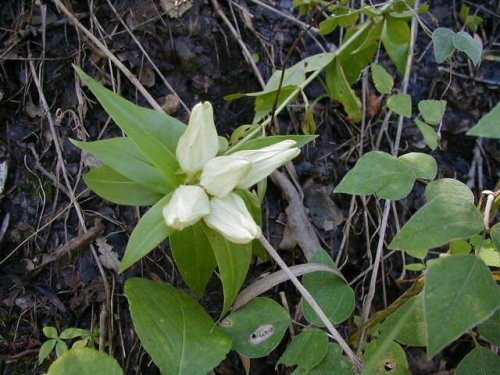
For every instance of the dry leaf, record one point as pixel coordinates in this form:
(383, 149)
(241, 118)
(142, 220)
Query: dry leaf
(108, 258)
(176, 8)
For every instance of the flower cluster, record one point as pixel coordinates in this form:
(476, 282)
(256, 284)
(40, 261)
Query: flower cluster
(211, 180)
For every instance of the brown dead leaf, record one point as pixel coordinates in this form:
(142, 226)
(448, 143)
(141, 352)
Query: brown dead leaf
(107, 256)
(176, 8)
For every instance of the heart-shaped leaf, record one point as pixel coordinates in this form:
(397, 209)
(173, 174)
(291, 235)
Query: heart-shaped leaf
(480, 361)
(470, 46)
(488, 126)
(449, 187)
(306, 350)
(443, 43)
(432, 110)
(85, 361)
(400, 104)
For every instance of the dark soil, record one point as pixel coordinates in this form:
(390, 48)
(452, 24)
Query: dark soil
(201, 61)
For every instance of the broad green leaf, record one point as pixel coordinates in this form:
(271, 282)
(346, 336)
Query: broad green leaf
(71, 333)
(50, 332)
(257, 328)
(193, 256)
(431, 138)
(489, 254)
(480, 361)
(382, 80)
(154, 133)
(391, 361)
(442, 38)
(177, 333)
(148, 233)
(450, 187)
(233, 261)
(380, 173)
(257, 143)
(413, 332)
(116, 188)
(459, 293)
(360, 51)
(432, 110)
(460, 247)
(318, 62)
(61, 347)
(85, 361)
(423, 165)
(306, 350)
(489, 125)
(443, 219)
(332, 293)
(334, 363)
(123, 156)
(396, 40)
(264, 103)
(490, 329)
(400, 104)
(495, 235)
(470, 46)
(340, 90)
(46, 349)
(343, 17)
(415, 267)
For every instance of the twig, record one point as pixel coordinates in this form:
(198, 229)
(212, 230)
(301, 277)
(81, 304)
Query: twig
(387, 206)
(244, 49)
(314, 305)
(133, 79)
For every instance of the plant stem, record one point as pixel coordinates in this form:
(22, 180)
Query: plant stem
(312, 302)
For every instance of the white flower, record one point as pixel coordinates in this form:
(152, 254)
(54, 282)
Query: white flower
(231, 218)
(266, 160)
(187, 205)
(200, 142)
(209, 193)
(221, 174)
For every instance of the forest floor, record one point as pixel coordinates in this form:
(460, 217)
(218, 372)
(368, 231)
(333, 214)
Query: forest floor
(48, 271)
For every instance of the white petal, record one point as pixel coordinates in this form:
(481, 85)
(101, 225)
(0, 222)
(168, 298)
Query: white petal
(230, 217)
(221, 174)
(266, 160)
(188, 205)
(200, 142)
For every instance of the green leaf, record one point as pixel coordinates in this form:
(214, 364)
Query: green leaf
(415, 267)
(443, 43)
(71, 333)
(489, 254)
(123, 156)
(382, 79)
(425, 229)
(50, 332)
(432, 110)
(495, 235)
(154, 133)
(257, 328)
(470, 46)
(233, 261)
(431, 138)
(193, 256)
(332, 293)
(46, 349)
(257, 143)
(85, 361)
(480, 361)
(450, 187)
(459, 293)
(116, 188)
(343, 17)
(490, 329)
(489, 125)
(391, 361)
(148, 233)
(380, 173)
(306, 350)
(424, 166)
(61, 347)
(177, 333)
(334, 363)
(413, 332)
(396, 40)
(340, 90)
(400, 104)
(460, 247)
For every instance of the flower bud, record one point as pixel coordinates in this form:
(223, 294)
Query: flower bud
(221, 174)
(266, 160)
(188, 205)
(230, 217)
(200, 142)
